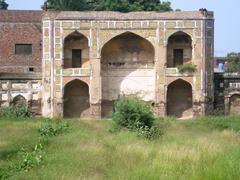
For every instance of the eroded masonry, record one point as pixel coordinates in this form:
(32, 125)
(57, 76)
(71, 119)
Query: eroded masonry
(88, 60)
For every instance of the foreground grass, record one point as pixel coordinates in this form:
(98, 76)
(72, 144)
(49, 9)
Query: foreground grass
(207, 148)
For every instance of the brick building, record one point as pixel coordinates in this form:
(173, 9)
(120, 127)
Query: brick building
(89, 59)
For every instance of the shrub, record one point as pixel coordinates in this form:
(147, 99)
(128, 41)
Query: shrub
(187, 68)
(15, 112)
(51, 128)
(149, 132)
(133, 113)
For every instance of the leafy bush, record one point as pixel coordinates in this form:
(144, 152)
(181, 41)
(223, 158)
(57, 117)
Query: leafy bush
(132, 113)
(135, 114)
(15, 112)
(51, 128)
(187, 68)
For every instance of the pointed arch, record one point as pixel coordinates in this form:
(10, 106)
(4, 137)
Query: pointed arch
(122, 60)
(179, 99)
(75, 50)
(76, 99)
(179, 49)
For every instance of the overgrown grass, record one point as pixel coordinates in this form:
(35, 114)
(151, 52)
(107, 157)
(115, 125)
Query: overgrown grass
(203, 148)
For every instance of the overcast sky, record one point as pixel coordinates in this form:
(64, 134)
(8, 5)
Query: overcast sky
(227, 19)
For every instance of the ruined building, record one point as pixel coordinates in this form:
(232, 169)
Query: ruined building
(76, 64)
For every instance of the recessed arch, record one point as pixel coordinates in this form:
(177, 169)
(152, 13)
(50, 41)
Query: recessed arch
(76, 99)
(179, 49)
(179, 99)
(234, 101)
(123, 58)
(122, 33)
(19, 100)
(76, 50)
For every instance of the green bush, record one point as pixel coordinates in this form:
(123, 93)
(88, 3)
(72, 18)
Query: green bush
(187, 68)
(15, 112)
(133, 113)
(51, 128)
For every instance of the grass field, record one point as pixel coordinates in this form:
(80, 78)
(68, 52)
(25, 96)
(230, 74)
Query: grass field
(207, 148)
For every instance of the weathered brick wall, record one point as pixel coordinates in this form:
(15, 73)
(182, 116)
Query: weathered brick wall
(20, 30)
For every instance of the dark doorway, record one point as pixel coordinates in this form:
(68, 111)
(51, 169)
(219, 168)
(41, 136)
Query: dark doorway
(76, 100)
(76, 58)
(179, 99)
(178, 57)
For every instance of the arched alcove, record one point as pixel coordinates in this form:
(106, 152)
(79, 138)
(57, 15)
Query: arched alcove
(127, 68)
(76, 100)
(179, 49)
(76, 51)
(235, 104)
(19, 101)
(179, 99)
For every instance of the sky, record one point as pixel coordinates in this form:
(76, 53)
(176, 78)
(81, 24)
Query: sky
(227, 19)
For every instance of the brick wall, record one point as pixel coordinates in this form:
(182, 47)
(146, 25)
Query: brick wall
(20, 27)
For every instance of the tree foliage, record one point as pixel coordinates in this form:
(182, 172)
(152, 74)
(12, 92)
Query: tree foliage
(3, 4)
(233, 64)
(108, 5)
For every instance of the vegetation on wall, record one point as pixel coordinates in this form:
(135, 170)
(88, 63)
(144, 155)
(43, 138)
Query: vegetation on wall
(233, 64)
(3, 4)
(108, 5)
(187, 68)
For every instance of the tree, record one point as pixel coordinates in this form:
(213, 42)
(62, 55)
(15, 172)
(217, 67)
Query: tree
(3, 4)
(109, 5)
(233, 64)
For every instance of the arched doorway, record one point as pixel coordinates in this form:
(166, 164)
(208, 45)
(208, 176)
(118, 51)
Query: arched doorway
(76, 51)
(179, 49)
(19, 101)
(179, 99)
(235, 104)
(76, 100)
(127, 68)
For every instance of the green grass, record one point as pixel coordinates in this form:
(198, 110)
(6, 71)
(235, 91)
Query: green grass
(203, 148)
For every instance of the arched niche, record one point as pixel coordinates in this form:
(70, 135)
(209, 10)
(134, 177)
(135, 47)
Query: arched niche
(76, 51)
(179, 49)
(179, 99)
(76, 100)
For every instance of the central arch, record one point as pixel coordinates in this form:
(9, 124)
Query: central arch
(76, 100)
(127, 68)
(179, 99)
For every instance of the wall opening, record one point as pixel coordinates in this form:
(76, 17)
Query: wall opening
(19, 101)
(127, 68)
(76, 51)
(179, 99)
(179, 49)
(76, 100)
(235, 104)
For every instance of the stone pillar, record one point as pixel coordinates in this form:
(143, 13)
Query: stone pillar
(161, 89)
(96, 89)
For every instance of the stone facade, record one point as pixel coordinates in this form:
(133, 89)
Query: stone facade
(89, 59)
(128, 54)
